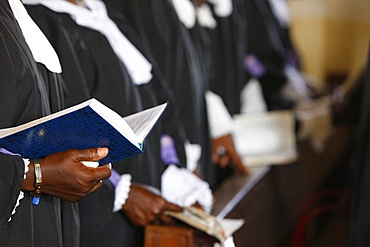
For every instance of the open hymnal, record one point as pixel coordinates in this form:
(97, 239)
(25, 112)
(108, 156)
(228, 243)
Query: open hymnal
(199, 219)
(90, 124)
(265, 138)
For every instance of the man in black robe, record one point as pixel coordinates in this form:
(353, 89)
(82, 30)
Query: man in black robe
(89, 55)
(228, 46)
(185, 70)
(171, 45)
(250, 39)
(25, 97)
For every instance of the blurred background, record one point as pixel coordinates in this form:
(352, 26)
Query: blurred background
(332, 36)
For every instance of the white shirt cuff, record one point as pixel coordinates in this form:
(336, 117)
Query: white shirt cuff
(193, 153)
(219, 118)
(21, 194)
(121, 192)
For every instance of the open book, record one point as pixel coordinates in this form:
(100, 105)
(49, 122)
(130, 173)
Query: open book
(265, 138)
(90, 124)
(197, 218)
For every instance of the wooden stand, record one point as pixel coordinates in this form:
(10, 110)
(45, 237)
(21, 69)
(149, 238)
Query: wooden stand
(168, 236)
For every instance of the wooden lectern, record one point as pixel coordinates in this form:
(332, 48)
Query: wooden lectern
(168, 236)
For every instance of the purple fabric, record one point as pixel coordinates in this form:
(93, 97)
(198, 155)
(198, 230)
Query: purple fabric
(292, 59)
(114, 178)
(254, 66)
(4, 151)
(168, 150)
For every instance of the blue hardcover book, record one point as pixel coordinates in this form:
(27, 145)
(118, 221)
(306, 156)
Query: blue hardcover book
(87, 125)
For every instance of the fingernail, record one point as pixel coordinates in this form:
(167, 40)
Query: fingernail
(102, 151)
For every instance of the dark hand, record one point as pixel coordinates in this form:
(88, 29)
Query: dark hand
(64, 176)
(223, 151)
(143, 207)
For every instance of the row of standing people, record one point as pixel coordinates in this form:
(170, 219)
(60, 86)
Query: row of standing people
(130, 56)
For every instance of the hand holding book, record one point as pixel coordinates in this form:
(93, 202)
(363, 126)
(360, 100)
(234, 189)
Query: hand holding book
(61, 170)
(87, 125)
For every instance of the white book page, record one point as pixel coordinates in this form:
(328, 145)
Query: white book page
(109, 115)
(220, 229)
(142, 122)
(231, 225)
(7, 129)
(265, 138)
(116, 121)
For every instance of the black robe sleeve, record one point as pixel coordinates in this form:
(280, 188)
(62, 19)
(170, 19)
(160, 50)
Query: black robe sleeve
(11, 179)
(12, 99)
(25, 90)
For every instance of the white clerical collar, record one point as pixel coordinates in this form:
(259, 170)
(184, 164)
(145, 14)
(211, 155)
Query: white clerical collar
(205, 17)
(95, 17)
(223, 8)
(41, 49)
(185, 11)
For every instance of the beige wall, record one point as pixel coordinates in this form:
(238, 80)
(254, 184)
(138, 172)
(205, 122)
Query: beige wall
(332, 36)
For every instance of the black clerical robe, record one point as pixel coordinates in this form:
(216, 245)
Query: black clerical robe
(157, 90)
(103, 75)
(265, 43)
(228, 49)
(171, 45)
(98, 73)
(25, 97)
